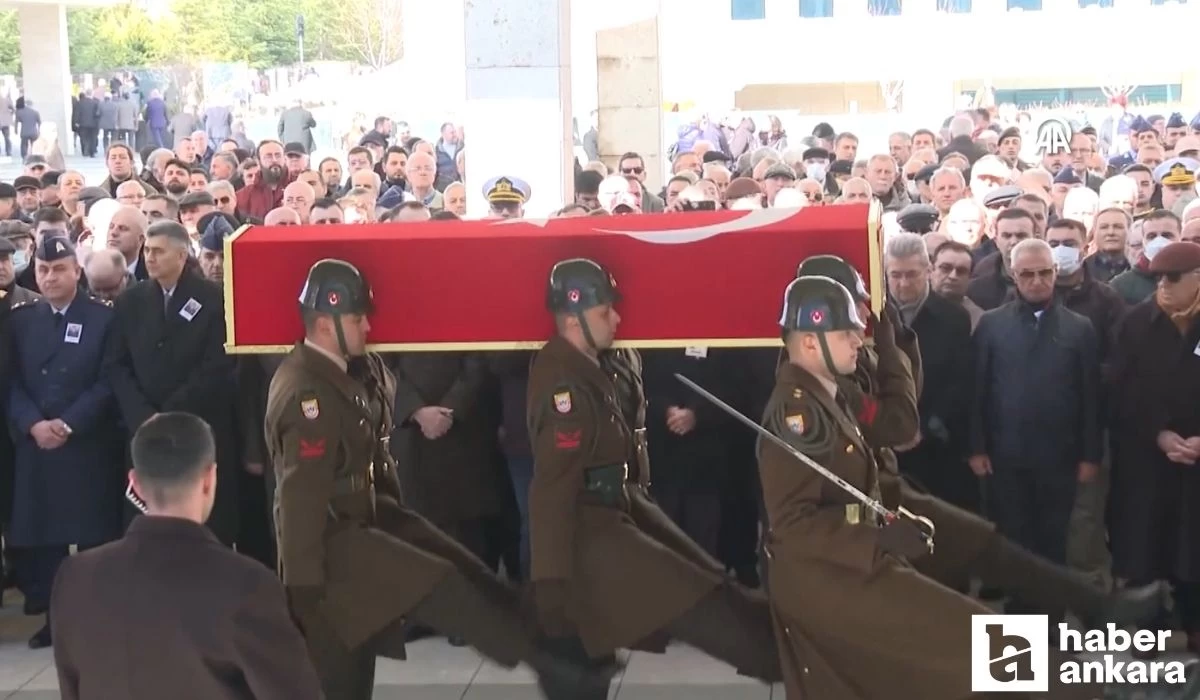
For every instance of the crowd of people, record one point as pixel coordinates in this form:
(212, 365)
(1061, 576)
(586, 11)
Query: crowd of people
(1056, 306)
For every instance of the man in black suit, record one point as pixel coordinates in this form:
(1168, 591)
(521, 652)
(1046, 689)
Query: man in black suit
(168, 611)
(937, 459)
(166, 352)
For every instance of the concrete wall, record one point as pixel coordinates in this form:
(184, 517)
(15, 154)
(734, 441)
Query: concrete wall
(629, 94)
(46, 67)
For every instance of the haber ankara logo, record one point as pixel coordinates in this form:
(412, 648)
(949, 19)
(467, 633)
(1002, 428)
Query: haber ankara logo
(1010, 653)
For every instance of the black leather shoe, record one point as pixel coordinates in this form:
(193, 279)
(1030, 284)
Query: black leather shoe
(1141, 605)
(566, 673)
(41, 639)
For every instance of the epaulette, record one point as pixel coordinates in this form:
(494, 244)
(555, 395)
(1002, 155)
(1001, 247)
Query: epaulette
(99, 300)
(28, 304)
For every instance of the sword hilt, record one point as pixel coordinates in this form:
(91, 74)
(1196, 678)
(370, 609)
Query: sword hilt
(925, 525)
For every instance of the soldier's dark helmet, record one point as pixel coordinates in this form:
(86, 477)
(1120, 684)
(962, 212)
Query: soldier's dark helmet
(836, 269)
(577, 285)
(818, 304)
(336, 287)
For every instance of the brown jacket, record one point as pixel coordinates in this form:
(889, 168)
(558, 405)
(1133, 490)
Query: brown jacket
(455, 477)
(170, 612)
(338, 513)
(839, 602)
(625, 583)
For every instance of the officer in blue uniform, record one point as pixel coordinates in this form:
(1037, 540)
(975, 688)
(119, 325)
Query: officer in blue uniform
(61, 412)
(506, 196)
(1175, 129)
(1176, 177)
(1141, 131)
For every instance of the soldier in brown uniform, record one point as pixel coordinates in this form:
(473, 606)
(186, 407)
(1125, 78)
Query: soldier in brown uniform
(607, 564)
(883, 398)
(354, 559)
(856, 621)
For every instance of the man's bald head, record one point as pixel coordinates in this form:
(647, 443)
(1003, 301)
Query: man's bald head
(281, 216)
(299, 197)
(366, 178)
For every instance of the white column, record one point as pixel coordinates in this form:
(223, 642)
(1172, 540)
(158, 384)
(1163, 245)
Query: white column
(518, 100)
(46, 67)
(629, 83)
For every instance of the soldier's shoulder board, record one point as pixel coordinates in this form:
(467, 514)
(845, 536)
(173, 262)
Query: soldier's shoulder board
(27, 304)
(100, 301)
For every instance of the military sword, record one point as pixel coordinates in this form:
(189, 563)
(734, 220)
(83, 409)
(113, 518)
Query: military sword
(925, 525)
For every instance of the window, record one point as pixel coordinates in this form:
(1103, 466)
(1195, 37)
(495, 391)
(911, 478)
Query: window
(955, 6)
(883, 7)
(1026, 5)
(816, 8)
(1046, 97)
(748, 9)
(1095, 3)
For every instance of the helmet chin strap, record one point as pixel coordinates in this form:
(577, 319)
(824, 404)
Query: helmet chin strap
(341, 337)
(587, 331)
(825, 354)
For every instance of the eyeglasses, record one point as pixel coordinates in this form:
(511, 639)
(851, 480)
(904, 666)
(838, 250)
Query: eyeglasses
(632, 171)
(1030, 275)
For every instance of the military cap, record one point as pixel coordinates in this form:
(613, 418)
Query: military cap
(6, 246)
(578, 284)
(54, 248)
(50, 178)
(741, 187)
(7, 191)
(1177, 171)
(837, 269)
(819, 304)
(295, 148)
(506, 189)
(926, 174)
(1067, 176)
(1176, 121)
(336, 287)
(841, 167)
(36, 160)
(27, 182)
(715, 156)
(1011, 132)
(213, 228)
(918, 218)
(1180, 256)
(1140, 125)
(1003, 196)
(815, 153)
(191, 200)
(780, 170)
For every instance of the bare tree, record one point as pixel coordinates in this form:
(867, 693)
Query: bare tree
(373, 29)
(893, 94)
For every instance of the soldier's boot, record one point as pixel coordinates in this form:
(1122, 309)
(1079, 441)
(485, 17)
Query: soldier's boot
(487, 615)
(566, 672)
(1034, 579)
(733, 625)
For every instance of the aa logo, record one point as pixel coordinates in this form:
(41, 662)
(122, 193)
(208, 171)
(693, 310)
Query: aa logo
(1053, 136)
(1010, 654)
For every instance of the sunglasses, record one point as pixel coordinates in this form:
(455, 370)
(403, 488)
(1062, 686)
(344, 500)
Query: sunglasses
(632, 171)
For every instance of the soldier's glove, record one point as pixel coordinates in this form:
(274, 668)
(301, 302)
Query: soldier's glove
(550, 598)
(883, 329)
(903, 539)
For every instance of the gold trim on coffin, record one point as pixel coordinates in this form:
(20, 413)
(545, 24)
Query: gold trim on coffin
(875, 262)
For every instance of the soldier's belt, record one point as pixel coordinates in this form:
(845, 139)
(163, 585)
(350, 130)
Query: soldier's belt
(606, 484)
(353, 484)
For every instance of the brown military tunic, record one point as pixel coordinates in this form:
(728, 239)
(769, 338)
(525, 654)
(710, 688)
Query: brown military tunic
(624, 584)
(337, 493)
(855, 623)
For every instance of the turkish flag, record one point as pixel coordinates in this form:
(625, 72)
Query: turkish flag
(708, 279)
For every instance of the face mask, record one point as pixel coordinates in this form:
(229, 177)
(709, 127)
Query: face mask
(816, 171)
(1067, 259)
(1154, 246)
(20, 260)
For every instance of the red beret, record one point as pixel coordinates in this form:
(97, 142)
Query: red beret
(1181, 256)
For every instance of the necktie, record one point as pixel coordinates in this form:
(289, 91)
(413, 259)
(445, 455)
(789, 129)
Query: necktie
(166, 303)
(58, 318)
